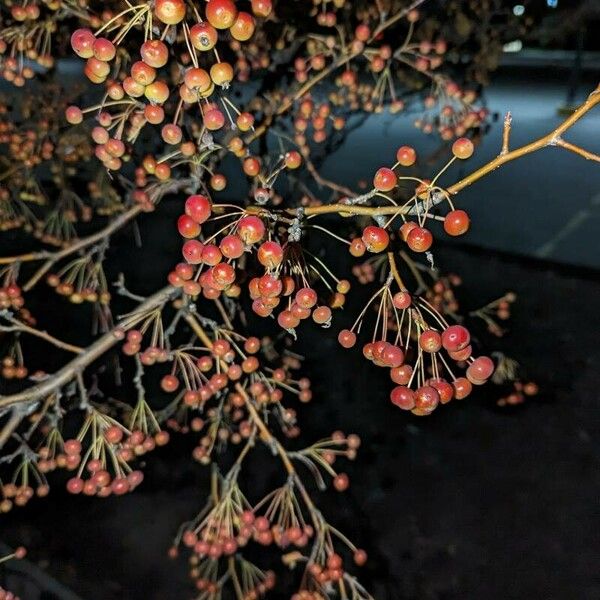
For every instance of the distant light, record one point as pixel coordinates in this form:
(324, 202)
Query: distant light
(552, 3)
(515, 46)
(518, 10)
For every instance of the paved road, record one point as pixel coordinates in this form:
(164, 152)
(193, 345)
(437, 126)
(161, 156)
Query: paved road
(546, 205)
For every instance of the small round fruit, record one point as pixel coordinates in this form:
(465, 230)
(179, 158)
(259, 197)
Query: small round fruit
(385, 180)
(419, 239)
(154, 53)
(406, 156)
(347, 338)
(455, 338)
(376, 239)
(243, 27)
(198, 207)
(463, 148)
(221, 14)
(456, 222)
(403, 397)
(203, 36)
(170, 12)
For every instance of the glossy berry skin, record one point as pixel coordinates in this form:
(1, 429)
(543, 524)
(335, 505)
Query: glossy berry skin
(198, 207)
(321, 315)
(357, 247)
(169, 383)
(243, 27)
(444, 389)
(347, 338)
(406, 156)
(82, 42)
(170, 12)
(221, 73)
(463, 148)
(197, 79)
(385, 180)
(462, 388)
(461, 355)
(214, 119)
(262, 8)
(392, 356)
(270, 255)
(192, 252)
(456, 222)
(154, 53)
(231, 246)
(221, 14)
(251, 229)
(426, 399)
(157, 91)
(401, 375)
(480, 370)
(203, 36)
(292, 159)
(430, 341)
(403, 397)
(455, 338)
(402, 300)
(306, 297)
(188, 228)
(251, 166)
(104, 49)
(419, 239)
(406, 228)
(376, 239)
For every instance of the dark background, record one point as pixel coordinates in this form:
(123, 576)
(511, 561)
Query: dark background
(475, 501)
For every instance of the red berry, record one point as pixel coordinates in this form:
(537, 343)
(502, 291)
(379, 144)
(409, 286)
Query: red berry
(251, 229)
(403, 397)
(306, 297)
(385, 180)
(192, 252)
(462, 388)
(463, 148)
(419, 239)
(456, 222)
(262, 8)
(357, 247)
(341, 482)
(170, 12)
(221, 14)
(430, 341)
(406, 156)
(402, 300)
(169, 383)
(231, 246)
(82, 42)
(321, 315)
(203, 36)
(243, 27)
(75, 485)
(376, 239)
(455, 338)
(426, 399)
(292, 159)
(480, 370)
(154, 53)
(347, 338)
(104, 49)
(188, 228)
(198, 207)
(444, 389)
(401, 375)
